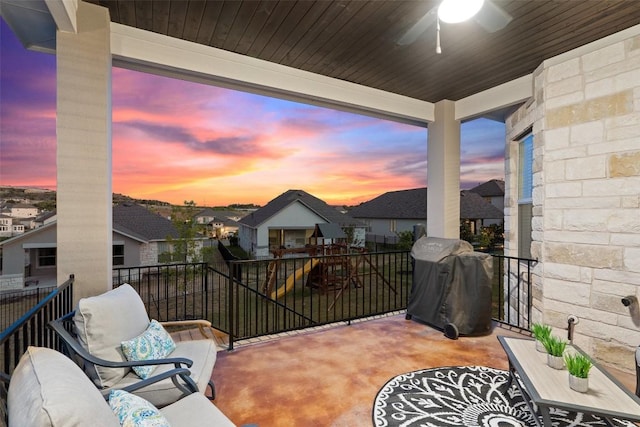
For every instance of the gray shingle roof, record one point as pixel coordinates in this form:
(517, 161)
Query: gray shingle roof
(402, 204)
(412, 204)
(491, 188)
(206, 212)
(473, 206)
(318, 206)
(136, 220)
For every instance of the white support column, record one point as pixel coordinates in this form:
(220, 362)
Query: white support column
(443, 173)
(84, 204)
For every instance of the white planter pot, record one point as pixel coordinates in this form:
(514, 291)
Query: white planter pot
(540, 347)
(556, 362)
(579, 384)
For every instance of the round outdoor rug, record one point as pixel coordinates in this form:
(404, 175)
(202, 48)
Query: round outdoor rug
(463, 396)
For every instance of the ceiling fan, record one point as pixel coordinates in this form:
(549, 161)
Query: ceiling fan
(491, 17)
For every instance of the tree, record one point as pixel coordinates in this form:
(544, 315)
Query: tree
(184, 247)
(405, 240)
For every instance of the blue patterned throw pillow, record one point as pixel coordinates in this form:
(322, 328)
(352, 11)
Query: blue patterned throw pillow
(154, 343)
(134, 411)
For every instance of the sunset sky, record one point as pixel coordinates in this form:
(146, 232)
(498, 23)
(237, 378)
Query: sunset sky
(177, 141)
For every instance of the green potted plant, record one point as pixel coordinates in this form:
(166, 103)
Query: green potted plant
(578, 366)
(540, 332)
(555, 349)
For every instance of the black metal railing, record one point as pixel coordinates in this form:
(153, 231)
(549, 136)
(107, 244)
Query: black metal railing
(254, 298)
(31, 330)
(263, 297)
(512, 295)
(278, 295)
(170, 291)
(16, 303)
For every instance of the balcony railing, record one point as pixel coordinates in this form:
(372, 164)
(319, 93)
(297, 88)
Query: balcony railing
(512, 295)
(16, 303)
(284, 294)
(31, 330)
(254, 298)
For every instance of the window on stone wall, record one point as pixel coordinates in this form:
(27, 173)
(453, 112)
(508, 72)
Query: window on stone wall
(525, 192)
(118, 254)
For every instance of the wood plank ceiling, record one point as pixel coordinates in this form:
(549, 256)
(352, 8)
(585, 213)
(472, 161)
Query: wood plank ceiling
(356, 40)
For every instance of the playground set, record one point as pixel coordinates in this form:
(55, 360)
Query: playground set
(328, 269)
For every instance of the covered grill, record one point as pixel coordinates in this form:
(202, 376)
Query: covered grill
(451, 287)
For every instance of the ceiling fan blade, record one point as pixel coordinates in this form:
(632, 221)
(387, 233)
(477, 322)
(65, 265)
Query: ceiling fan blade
(419, 27)
(491, 17)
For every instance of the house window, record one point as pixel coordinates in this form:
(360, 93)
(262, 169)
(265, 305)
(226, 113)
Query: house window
(118, 254)
(393, 225)
(46, 257)
(525, 192)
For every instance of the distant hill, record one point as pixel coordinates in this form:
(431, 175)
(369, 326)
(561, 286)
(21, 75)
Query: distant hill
(46, 199)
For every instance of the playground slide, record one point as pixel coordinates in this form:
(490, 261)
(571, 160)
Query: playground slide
(291, 280)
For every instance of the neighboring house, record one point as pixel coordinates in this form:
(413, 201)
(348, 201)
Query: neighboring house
(23, 210)
(397, 211)
(44, 218)
(139, 238)
(5, 225)
(10, 227)
(219, 223)
(205, 216)
(492, 191)
(478, 211)
(289, 221)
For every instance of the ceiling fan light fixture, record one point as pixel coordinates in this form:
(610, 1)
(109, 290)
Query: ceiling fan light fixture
(455, 11)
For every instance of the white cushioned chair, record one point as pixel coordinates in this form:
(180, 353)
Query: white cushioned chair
(93, 334)
(48, 389)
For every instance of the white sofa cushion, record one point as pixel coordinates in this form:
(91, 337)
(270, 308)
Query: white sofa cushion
(102, 322)
(195, 410)
(48, 389)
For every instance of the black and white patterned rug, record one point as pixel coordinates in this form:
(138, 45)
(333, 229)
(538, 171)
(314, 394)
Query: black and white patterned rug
(463, 396)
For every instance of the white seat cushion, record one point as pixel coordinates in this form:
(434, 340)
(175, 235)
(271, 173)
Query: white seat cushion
(203, 353)
(195, 410)
(48, 389)
(102, 322)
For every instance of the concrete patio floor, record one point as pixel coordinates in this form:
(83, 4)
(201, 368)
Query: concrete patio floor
(330, 377)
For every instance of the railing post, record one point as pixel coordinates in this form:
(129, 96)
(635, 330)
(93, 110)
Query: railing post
(206, 293)
(230, 287)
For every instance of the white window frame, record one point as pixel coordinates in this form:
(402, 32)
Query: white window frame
(525, 194)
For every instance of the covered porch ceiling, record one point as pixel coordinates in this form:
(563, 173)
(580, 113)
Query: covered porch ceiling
(357, 41)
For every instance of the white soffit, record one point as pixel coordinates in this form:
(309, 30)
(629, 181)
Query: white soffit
(155, 53)
(499, 97)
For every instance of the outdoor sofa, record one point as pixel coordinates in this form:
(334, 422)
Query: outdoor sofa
(48, 389)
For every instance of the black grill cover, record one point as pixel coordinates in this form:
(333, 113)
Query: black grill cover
(451, 285)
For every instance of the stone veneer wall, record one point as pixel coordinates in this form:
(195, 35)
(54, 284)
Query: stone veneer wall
(149, 254)
(585, 117)
(11, 282)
